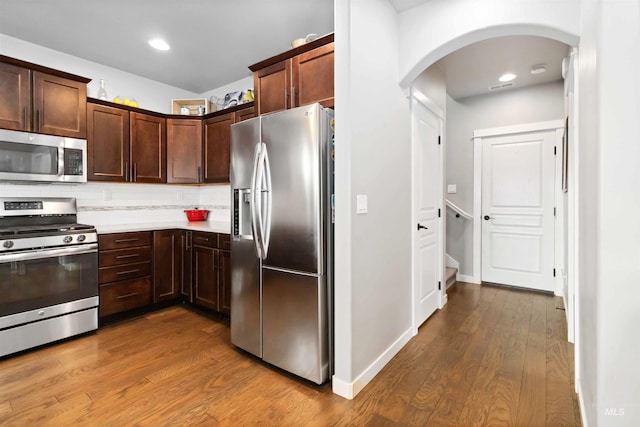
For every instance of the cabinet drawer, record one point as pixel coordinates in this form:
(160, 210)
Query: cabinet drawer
(124, 272)
(209, 240)
(123, 296)
(124, 256)
(124, 240)
(224, 241)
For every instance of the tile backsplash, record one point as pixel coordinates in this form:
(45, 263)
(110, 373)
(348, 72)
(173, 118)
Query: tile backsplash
(109, 203)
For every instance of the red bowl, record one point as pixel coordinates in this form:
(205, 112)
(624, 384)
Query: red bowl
(197, 214)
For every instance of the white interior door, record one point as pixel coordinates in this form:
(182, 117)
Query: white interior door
(427, 200)
(518, 209)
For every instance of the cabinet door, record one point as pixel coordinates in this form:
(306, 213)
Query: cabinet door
(244, 114)
(217, 145)
(15, 97)
(148, 148)
(225, 281)
(59, 106)
(187, 265)
(107, 143)
(205, 277)
(313, 77)
(272, 86)
(167, 265)
(184, 151)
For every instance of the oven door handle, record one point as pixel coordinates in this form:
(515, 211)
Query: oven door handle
(49, 253)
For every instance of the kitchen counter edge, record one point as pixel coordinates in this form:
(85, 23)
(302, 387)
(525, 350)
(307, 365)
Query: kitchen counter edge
(205, 226)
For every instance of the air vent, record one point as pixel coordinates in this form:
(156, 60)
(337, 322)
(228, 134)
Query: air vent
(502, 86)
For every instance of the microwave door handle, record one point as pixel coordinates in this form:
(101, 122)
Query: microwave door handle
(60, 161)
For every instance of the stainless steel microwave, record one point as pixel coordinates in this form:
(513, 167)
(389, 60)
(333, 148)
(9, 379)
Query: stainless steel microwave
(28, 156)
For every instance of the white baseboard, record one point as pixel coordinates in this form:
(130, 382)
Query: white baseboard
(450, 262)
(583, 415)
(349, 390)
(467, 279)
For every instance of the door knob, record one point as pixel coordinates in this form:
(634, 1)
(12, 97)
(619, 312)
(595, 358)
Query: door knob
(487, 217)
(420, 226)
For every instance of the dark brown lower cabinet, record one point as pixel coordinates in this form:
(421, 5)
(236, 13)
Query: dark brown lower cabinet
(205, 277)
(138, 269)
(211, 271)
(168, 264)
(192, 266)
(124, 271)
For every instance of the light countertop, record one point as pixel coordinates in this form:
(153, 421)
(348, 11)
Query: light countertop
(208, 226)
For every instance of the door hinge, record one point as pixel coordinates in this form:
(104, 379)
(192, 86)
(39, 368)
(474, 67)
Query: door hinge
(554, 150)
(554, 272)
(439, 286)
(438, 213)
(439, 141)
(554, 211)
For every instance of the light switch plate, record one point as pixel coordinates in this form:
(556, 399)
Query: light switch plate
(452, 189)
(361, 204)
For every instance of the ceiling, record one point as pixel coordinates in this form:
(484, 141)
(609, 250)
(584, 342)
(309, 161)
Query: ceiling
(214, 41)
(471, 70)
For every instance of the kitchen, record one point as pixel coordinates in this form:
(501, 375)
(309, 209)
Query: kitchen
(358, 348)
(132, 219)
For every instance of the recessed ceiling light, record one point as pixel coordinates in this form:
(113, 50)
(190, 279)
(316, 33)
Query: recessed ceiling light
(159, 44)
(507, 77)
(538, 69)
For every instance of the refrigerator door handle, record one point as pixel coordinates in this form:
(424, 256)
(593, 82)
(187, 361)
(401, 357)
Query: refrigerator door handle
(252, 204)
(269, 200)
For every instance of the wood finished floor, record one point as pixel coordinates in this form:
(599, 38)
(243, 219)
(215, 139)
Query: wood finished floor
(492, 356)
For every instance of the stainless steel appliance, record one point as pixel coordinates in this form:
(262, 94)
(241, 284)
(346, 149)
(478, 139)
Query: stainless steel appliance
(42, 158)
(48, 273)
(281, 257)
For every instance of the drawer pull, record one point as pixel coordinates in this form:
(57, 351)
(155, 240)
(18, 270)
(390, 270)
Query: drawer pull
(126, 240)
(127, 271)
(127, 256)
(133, 294)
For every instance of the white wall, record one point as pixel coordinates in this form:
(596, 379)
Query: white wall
(511, 107)
(149, 94)
(616, 198)
(431, 83)
(438, 27)
(373, 251)
(243, 84)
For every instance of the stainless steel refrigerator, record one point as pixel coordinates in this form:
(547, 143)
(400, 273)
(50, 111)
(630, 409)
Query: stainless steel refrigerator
(282, 230)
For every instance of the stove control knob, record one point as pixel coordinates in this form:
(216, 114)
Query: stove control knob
(8, 244)
(81, 238)
(67, 239)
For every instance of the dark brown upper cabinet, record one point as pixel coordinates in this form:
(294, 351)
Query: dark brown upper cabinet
(300, 76)
(125, 146)
(148, 148)
(217, 147)
(184, 151)
(107, 143)
(42, 100)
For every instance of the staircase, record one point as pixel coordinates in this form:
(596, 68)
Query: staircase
(451, 275)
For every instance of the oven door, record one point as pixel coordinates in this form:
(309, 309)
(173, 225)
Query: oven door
(61, 279)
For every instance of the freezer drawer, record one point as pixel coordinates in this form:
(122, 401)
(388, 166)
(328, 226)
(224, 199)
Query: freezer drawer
(294, 328)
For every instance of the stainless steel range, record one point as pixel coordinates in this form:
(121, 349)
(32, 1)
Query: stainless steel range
(48, 273)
